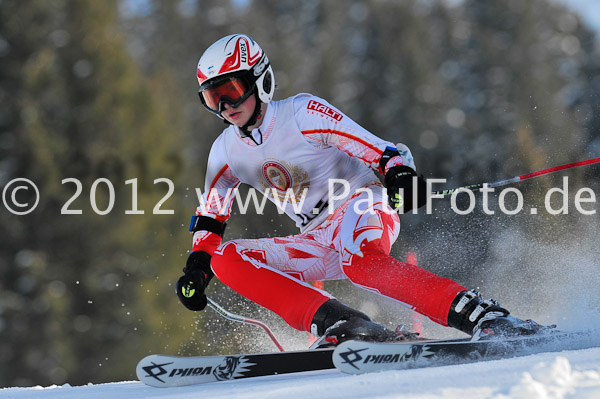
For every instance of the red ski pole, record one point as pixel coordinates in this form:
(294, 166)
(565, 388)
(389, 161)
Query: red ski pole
(519, 178)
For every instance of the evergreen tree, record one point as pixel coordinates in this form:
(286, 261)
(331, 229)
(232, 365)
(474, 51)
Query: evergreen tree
(74, 286)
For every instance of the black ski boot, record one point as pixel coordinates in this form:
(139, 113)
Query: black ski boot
(335, 323)
(485, 319)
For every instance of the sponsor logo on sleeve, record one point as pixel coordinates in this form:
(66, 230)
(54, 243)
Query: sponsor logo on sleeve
(316, 106)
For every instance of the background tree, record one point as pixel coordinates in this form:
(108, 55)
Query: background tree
(75, 106)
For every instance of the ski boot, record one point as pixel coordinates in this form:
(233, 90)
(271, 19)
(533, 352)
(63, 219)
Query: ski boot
(485, 319)
(335, 323)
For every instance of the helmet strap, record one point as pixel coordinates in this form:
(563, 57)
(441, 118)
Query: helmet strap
(256, 115)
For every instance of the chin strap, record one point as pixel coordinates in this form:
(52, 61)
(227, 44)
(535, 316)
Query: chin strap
(256, 115)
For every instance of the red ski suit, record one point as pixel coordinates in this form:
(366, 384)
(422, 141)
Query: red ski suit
(347, 227)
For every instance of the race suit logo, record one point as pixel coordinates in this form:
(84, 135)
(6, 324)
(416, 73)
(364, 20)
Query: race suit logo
(284, 178)
(323, 109)
(277, 176)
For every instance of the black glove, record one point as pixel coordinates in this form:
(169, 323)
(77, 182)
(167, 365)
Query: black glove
(401, 177)
(197, 275)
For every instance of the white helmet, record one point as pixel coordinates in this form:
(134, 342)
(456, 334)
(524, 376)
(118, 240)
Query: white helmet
(234, 57)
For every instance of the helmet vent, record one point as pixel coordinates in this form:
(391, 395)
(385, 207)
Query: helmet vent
(267, 81)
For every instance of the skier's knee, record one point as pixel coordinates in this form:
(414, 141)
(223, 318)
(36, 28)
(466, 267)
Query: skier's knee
(361, 266)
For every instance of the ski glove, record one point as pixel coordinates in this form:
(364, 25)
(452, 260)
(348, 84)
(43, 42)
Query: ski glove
(197, 275)
(402, 182)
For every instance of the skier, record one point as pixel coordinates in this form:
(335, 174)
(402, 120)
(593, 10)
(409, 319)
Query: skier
(293, 149)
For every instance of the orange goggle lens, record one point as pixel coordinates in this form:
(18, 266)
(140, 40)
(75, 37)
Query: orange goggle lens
(231, 91)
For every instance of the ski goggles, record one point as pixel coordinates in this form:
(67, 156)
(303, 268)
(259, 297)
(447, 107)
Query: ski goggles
(231, 90)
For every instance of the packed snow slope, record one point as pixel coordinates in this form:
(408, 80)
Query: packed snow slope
(569, 374)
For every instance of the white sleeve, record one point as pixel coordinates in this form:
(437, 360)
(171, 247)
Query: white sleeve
(325, 126)
(219, 186)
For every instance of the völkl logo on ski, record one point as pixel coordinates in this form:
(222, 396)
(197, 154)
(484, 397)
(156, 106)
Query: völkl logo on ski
(351, 356)
(160, 371)
(355, 359)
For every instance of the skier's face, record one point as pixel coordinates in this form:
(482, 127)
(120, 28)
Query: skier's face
(241, 115)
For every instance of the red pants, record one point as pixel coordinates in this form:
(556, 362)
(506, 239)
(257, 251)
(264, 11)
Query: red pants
(352, 243)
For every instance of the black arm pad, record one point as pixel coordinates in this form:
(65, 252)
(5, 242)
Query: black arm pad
(209, 224)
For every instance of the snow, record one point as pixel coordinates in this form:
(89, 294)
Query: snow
(568, 374)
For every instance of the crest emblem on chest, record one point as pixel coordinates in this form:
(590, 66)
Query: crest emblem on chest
(284, 177)
(277, 176)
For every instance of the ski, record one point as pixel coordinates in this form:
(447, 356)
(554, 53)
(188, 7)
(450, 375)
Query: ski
(173, 371)
(357, 357)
